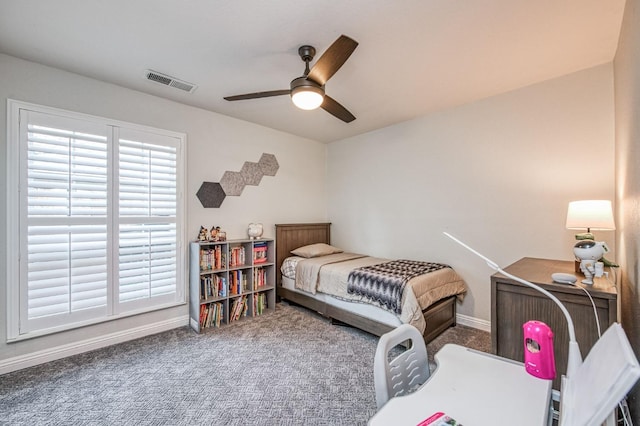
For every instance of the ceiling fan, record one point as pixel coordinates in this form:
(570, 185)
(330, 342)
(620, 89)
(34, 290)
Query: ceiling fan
(307, 91)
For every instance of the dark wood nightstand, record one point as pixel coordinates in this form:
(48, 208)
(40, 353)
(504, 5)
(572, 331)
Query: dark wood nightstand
(513, 304)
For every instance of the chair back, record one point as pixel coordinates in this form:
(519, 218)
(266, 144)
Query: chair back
(396, 371)
(601, 382)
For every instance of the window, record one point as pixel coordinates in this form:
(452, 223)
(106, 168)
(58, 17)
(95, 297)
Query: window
(96, 225)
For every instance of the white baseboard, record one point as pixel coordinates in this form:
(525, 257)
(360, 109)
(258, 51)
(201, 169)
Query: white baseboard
(473, 322)
(63, 351)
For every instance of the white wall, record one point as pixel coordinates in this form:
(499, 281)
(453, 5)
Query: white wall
(497, 173)
(627, 104)
(215, 144)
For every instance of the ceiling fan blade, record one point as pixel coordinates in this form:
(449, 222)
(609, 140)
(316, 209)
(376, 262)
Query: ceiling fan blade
(334, 108)
(258, 95)
(332, 59)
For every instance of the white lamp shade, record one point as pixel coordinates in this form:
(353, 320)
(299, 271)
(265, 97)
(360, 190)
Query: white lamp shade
(590, 214)
(307, 98)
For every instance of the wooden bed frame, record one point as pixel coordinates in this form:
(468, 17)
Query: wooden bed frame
(439, 316)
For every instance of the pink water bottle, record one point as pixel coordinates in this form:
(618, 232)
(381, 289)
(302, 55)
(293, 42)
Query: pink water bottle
(539, 360)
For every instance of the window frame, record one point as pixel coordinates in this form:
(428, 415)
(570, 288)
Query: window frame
(16, 213)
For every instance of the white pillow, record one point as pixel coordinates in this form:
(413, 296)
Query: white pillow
(315, 250)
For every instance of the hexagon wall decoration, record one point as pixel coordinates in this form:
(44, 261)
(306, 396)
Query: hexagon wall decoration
(251, 173)
(232, 183)
(268, 164)
(212, 194)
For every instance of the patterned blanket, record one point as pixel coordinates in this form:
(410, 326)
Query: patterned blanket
(384, 283)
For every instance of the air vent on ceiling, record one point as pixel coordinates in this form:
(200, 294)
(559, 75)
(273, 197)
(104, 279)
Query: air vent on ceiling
(166, 80)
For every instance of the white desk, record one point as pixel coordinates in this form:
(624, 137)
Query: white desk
(474, 388)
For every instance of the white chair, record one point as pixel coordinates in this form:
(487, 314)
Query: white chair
(404, 372)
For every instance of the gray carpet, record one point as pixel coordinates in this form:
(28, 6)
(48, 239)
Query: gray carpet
(291, 367)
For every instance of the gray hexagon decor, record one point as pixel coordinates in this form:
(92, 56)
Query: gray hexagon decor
(252, 173)
(232, 183)
(212, 194)
(268, 164)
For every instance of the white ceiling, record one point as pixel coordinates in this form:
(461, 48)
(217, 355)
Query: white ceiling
(414, 57)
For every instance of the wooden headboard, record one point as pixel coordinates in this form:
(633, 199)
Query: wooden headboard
(290, 236)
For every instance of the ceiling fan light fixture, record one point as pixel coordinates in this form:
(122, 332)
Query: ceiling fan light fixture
(306, 94)
(307, 97)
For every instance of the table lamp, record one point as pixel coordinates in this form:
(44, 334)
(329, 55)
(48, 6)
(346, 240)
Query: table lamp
(588, 215)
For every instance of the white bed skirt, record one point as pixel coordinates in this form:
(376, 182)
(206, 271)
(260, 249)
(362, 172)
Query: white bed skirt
(368, 311)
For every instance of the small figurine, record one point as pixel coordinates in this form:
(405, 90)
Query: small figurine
(204, 234)
(222, 236)
(213, 235)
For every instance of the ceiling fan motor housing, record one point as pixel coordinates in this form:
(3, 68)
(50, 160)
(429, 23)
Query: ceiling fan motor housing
(307, 52)
(302, 83)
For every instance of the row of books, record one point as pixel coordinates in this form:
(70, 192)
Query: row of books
(259, 278)
(215, 257)
(259, 304)
(237, 282)
(238, 309)
(260, 252)
(212, 286)
(237, 256)
(212, 258)
(211, 314)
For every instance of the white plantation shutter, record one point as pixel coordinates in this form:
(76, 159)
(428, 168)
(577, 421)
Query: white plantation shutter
(99, 219)
(147, 177)
(147, 206)
(66, 220)
(67, 272)
(147, 261)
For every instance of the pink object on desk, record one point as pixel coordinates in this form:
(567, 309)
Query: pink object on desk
(539, 360)
(439, 419)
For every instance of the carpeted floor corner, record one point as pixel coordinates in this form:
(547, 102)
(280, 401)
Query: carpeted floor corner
(290, 367)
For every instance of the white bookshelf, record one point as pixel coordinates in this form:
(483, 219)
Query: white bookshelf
(230, 281)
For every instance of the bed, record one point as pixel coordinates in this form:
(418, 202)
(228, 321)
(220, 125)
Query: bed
(436, 311)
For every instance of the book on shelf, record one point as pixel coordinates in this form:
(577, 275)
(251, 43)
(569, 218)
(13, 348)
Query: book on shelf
(222, 288)
(260, 252)
(237, 256)
(237, 282)
(212, 286)
(238, 309)
(211, 314)
(259, 278)
(212, 258)
(259, 304)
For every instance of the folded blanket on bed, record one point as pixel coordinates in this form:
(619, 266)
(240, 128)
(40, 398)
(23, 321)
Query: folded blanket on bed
(384, 283)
